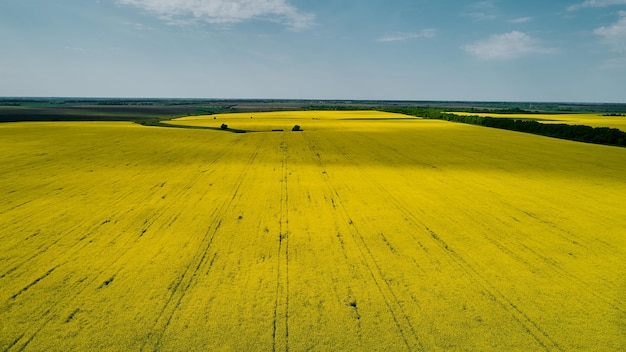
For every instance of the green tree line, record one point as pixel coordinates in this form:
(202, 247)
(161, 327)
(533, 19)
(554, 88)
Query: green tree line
(580, 133)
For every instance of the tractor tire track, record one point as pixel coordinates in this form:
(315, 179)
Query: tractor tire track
(54, 313)
(120, 198)
(589, 288)
(96, 219)
(538, 334)
(81, 244)
(401, 320)
(157, 331)
(280, 325)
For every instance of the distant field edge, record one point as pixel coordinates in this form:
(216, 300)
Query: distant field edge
(143, 113)
(579, 133)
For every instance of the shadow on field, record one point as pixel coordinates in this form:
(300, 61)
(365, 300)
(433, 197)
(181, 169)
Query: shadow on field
(222, 128)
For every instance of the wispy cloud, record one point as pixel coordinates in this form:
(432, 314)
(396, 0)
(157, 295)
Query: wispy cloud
(521, 20)
(226, 11)
(506, 46)
(482, 10)
(615, 35)
(402, 36)
(138, 26)
(595, 3)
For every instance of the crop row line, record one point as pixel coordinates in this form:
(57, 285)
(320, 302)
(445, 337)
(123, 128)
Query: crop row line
(281, 330)
(532, 327)
(161, 323)
(396, 310)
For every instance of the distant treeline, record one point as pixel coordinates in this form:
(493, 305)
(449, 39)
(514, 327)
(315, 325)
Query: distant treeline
(498, 111)
(336, 107)
(580, 133)
(125, 102)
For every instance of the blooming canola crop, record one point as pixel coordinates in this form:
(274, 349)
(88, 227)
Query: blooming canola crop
(592, 120)
(365, 231)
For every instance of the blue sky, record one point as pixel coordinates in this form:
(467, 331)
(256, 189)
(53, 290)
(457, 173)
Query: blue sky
(493, 50)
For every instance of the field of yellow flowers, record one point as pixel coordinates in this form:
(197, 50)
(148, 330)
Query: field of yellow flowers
(593, 120)
(365, 231)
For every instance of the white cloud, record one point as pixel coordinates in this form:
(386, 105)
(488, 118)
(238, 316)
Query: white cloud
(595, 3)
(226, 11)
(506, 46)
(521, 20)
(401, 36)
(615, 35)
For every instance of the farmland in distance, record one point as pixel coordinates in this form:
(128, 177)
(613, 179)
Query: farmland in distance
(593, 120)
(366, 231)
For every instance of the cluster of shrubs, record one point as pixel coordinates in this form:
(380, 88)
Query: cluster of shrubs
(295, 128)
(581, 133)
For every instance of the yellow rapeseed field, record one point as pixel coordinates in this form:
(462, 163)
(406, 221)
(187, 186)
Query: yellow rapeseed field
(593, 120)
(366, 231)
